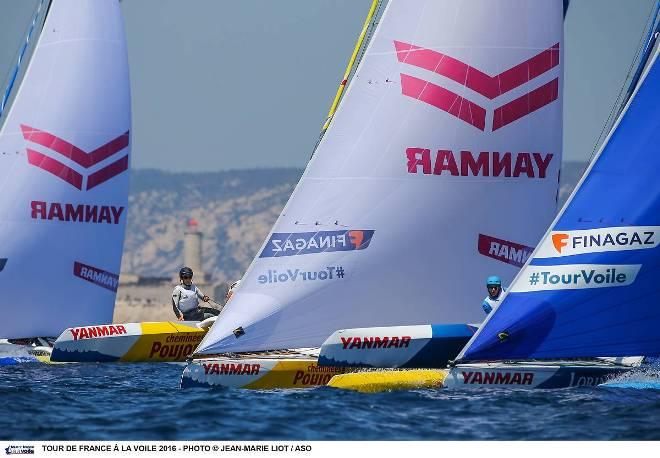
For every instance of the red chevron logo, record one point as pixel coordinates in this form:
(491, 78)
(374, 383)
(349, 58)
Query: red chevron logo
(78, 156)
(474, 79)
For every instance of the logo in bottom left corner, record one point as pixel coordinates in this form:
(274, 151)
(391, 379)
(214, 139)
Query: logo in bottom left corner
(19, 450)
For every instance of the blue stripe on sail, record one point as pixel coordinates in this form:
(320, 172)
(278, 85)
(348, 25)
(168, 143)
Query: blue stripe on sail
(622, 189)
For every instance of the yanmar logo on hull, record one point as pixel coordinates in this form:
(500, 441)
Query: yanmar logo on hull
(567, 243)
(298, 243)
(91, 332)
(375, 342)
(79, 179)
(498, 378)
(476, 81)
(231, 369)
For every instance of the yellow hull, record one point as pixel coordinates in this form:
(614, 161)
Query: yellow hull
(389, 380)
(258, 372)
(131, 342)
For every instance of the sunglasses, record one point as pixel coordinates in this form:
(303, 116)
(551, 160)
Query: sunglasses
(187, 277)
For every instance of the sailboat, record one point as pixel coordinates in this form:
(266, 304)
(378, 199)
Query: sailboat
(439, 167)
(64, 159)
(587, 298)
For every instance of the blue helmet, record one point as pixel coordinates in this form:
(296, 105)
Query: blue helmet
(493, 280)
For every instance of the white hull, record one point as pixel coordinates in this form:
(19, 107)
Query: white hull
(260, 370)
(13, 353)
(537, 374)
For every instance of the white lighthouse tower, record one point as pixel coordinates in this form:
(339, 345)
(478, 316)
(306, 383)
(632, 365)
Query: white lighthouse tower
(192, 250)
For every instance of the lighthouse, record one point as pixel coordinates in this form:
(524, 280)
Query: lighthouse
(192, 250)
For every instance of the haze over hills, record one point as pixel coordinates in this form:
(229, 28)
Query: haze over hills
(234, 209)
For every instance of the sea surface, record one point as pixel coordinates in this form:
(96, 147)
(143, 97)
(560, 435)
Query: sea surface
(144, 402)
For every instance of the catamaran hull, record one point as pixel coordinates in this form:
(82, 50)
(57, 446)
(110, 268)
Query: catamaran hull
(130, 342)
(422, 346)
(12, 354)
(531, 376)
(260, 373)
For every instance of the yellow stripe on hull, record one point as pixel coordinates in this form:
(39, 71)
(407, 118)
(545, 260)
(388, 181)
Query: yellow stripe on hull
(164, 341)
(258, 373)
(391, 380)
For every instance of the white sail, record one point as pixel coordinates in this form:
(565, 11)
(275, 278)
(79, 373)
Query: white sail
(439, 169)
(64, 158)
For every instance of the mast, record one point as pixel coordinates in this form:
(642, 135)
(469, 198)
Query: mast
(351, 63)
(42, 6)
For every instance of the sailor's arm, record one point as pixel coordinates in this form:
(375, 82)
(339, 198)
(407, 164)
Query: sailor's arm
(201, 295)
(486, 306)
(176, 297)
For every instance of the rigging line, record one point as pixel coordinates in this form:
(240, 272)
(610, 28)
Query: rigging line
(351, 64)
(349, 67)
(21, 54)
(615, 108)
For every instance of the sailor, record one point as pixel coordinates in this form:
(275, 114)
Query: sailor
(495, 296)
(230, 290)
(185, 299)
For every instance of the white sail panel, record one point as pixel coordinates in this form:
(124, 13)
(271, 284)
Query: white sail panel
(439, 169)
(64, 158)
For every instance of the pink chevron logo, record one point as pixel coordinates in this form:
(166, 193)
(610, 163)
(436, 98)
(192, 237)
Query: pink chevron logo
(77, 155)
(474, 79)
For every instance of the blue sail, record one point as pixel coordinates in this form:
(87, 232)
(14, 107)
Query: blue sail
(592, 286)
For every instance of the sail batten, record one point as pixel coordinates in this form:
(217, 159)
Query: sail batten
(409, 201)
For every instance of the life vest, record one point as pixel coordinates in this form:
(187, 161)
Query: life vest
(186, 299)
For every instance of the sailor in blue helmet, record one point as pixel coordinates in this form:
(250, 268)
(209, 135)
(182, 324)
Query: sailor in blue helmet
(185, 299)
(495, 290)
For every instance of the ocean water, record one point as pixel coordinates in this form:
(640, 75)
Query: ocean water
(143, 402)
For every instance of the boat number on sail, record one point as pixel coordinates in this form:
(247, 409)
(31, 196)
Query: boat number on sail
(297, 275)
(568, 243)
(293, 244)
(99, 277)
(575, 276)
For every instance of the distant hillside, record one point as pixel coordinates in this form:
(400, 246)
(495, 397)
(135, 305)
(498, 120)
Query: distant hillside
(235, 211)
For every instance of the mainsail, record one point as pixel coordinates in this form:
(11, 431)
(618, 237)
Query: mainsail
(591, 288)
(439, 168)
(64, 157)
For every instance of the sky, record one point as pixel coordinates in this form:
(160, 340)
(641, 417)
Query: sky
(220, 85)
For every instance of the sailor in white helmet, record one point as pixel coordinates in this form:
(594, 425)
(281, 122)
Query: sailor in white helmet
(185, 299)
